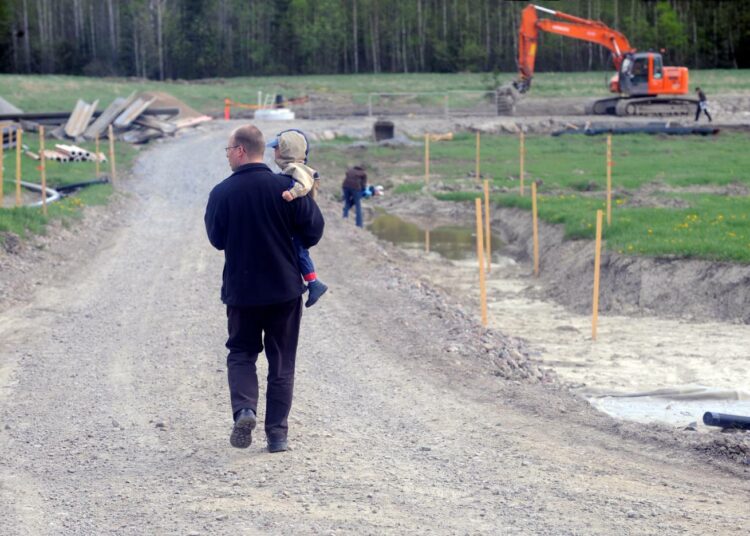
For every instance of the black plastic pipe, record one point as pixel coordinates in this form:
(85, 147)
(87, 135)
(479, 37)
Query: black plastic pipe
(723, 420)
(69, 188)
(31, 116)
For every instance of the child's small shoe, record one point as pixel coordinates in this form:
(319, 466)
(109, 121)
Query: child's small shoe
(317, 289)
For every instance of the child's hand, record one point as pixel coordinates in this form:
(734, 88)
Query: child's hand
(287, 195)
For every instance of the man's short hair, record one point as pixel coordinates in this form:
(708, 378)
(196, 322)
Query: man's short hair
(251, 139)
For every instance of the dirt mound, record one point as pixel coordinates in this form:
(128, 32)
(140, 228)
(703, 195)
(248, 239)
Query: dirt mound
(165, 100)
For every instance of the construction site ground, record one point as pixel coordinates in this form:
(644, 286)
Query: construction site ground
(409, 417)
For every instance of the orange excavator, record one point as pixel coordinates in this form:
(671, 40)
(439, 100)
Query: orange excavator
(645, 86)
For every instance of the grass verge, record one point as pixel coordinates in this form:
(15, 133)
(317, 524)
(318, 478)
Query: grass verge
(673, 196)
(24, 220)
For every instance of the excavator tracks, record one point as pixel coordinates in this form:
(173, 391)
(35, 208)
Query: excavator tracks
(643, 106)
(655, 106)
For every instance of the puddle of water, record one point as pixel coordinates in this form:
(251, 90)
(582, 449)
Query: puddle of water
(453, 242)
(630, 355)
(679, 413)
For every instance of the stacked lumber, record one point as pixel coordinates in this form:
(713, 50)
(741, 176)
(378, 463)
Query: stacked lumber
(137, 118)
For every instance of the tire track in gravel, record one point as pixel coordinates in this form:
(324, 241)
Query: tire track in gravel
(115, 419)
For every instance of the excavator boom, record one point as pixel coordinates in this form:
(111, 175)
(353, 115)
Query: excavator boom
(569, 26)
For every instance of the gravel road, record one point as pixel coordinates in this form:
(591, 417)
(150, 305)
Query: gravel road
(408, 417)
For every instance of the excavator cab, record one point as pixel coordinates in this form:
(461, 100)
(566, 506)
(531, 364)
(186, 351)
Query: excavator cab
(643, 74)
(634, 73)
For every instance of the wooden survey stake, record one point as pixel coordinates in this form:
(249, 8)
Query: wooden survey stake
(43, 169)
(487, 250)
(96, 142)
(2, 167)
(521, 154)
(112, 155)
(19, 137)
(597, 259)
(480, 258)
(476, 171)
(609, 179)
(427, 159)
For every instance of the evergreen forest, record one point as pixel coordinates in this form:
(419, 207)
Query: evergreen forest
(191, 39)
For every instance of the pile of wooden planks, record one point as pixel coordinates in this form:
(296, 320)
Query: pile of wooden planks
(137, 118)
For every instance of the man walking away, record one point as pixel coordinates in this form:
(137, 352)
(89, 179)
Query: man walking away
(247, 218)
(702, 105)
(354, 182)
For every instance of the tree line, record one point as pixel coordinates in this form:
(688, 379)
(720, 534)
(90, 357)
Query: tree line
(190, 39)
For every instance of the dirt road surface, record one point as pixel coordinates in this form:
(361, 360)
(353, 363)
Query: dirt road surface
(114, 414)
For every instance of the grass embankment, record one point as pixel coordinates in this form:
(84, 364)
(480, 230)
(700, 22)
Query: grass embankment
(670, 192)
(22, 220)
(59, 93)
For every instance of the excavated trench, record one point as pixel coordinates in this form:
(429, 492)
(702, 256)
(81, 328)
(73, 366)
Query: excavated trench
(662, 354)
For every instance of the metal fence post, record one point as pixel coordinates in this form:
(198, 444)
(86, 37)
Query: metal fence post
(369, 105)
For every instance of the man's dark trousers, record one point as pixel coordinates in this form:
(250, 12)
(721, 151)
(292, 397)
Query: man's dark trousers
(352, 198)
(276, 327)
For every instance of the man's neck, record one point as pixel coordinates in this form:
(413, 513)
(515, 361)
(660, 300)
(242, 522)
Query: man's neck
(247, 162)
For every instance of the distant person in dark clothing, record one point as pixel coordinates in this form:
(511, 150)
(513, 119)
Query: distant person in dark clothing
(247, 218)
(354, 182)
(702, 105)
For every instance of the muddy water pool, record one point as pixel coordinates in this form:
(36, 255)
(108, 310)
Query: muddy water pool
(453, 242)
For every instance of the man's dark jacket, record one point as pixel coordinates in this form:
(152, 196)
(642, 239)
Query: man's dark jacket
(355, 178)
(247, 218)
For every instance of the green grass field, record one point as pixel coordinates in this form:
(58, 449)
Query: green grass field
(684, 181)
(59, 93)
(570, 169)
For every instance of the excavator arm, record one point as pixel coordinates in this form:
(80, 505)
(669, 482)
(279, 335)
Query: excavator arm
(569, 26)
